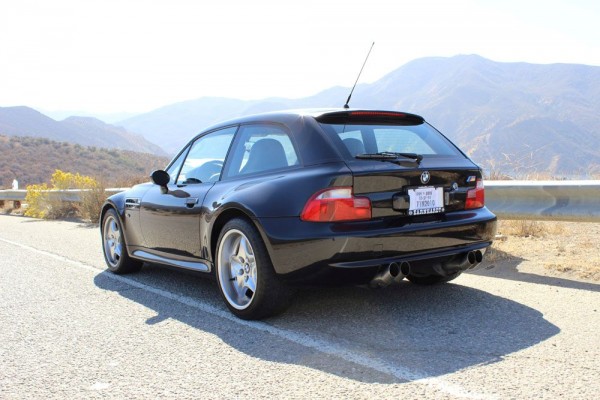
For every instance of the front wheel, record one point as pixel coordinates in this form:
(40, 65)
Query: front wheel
(114, 247)
(245, 274)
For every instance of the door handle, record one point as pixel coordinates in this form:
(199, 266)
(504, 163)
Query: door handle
(190, 202)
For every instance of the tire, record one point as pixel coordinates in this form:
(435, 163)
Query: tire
(247, 281)
(114, 247)
(429, 280)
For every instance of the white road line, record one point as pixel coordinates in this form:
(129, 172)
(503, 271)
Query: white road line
(320, 345)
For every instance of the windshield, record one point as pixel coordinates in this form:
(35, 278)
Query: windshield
(420, 139)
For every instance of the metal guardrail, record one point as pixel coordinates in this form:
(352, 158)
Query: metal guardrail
(544, 200)
(64, 195)
(533, 200)
(12, 195)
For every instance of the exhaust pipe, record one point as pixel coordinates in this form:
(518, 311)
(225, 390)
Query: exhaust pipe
(478, 255)
(474, 258)
(468, 261)
(404, 270)
(471, 258)
(393, 273)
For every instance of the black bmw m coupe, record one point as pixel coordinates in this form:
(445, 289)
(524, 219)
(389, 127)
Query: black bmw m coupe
(267, 202)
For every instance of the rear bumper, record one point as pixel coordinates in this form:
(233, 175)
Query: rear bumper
(306, 251)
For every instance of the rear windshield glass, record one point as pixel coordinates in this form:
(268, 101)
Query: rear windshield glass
(421, 139)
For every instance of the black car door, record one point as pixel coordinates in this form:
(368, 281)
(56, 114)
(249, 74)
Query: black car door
(170, 219)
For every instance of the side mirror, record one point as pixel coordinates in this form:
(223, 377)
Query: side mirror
(161, 178)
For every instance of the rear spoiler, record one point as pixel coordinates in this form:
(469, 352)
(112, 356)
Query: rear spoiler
(370, 117)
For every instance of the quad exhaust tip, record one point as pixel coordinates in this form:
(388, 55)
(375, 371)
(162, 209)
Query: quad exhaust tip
(474, 258)
(468, 260)
(393, 273)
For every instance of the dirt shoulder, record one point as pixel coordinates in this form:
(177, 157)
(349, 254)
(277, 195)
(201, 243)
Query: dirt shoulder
(569, 250)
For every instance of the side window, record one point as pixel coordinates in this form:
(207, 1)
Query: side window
(205, 159)
(173, 170)
(262, 148)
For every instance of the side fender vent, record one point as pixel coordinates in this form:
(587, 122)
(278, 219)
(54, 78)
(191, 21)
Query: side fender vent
(132, 203)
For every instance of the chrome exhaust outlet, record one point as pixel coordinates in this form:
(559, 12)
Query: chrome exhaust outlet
(478, 255)
(404, 270)
(393, 273)
(468, 260)
(471, 258)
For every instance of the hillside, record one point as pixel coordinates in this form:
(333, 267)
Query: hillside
(87, 131)
(33, 160)
(517, 118)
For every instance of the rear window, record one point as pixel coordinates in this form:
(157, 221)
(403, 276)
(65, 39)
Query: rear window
(421, 139)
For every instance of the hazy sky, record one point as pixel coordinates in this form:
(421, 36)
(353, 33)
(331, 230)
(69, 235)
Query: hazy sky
(129, 55)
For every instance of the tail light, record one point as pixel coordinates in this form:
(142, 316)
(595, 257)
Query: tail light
(475, 197)
(336, 204)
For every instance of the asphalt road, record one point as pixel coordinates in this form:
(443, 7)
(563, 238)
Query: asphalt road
(69, 329)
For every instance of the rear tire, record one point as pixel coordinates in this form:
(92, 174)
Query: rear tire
(429, 280)
(247, 281)
(114, 247)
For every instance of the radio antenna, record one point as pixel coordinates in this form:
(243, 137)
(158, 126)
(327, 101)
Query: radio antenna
(358, 77)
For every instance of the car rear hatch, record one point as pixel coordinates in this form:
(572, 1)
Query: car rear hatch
(406, 168)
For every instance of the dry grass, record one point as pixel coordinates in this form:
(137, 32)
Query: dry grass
(91, 203)
(58, 209)
(494, 254)
(588, 270)
(130, 181)
(523, 228)
(496, 175)
(570, 248)
(537, 229)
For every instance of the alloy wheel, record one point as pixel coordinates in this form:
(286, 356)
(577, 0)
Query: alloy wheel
(237, 269)
(113, 247)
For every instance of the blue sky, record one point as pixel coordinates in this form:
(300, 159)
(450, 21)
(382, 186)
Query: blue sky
(133, 56)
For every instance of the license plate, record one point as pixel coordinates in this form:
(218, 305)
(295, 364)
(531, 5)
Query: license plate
(426, 200)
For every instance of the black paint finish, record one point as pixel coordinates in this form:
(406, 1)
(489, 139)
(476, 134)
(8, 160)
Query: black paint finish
(183, 221)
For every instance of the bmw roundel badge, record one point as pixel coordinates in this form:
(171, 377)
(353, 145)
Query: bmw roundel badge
(425, 177)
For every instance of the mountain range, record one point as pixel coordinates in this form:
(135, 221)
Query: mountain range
(87, 131)
(519, 119)
(516, 119)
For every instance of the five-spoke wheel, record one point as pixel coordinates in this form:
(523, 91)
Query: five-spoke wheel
(112, 241)
(238, 269)
(114, 247)
(245, 275)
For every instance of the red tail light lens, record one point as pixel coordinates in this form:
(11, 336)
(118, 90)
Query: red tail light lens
(377, 114)
(475, 197)
(336, 204)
